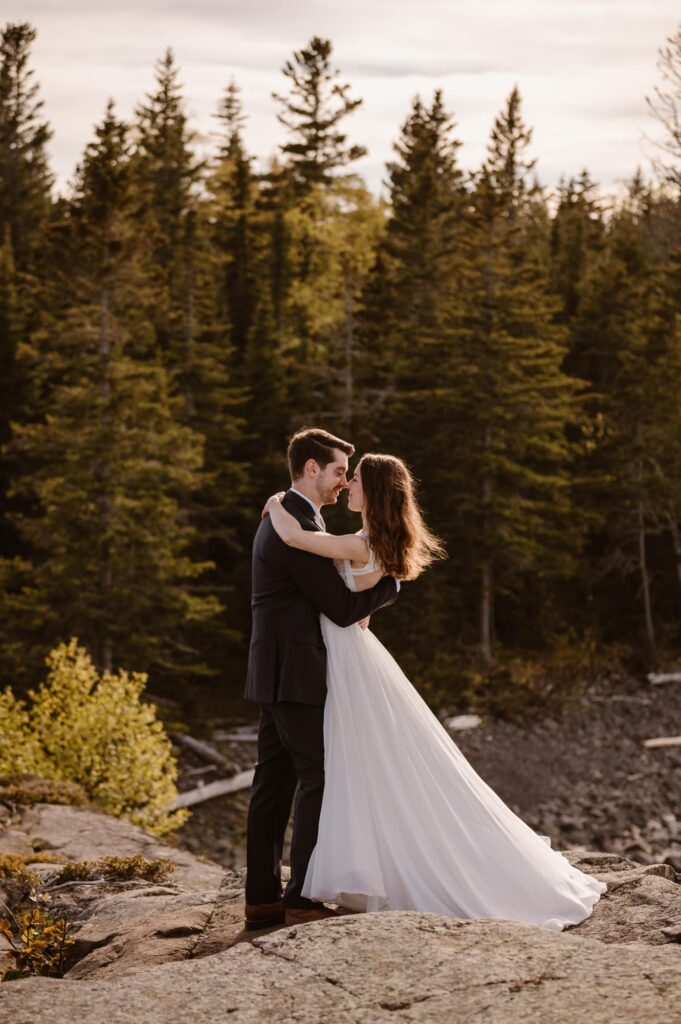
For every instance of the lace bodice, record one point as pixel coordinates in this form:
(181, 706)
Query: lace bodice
(348, 573)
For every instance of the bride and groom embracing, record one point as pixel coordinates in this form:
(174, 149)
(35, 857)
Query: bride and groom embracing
(389, 815)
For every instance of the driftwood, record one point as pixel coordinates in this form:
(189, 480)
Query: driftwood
(461, 722)
(663, 741)
(204, 750)
(204, 769)
(656, 678)
(237, 734)
(620, 698)
(212, 789)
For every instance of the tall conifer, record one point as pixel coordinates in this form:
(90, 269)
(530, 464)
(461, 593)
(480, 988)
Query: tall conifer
(411, 327)
(110, 561)
(513, 500)
(313, 112)
(25, 177)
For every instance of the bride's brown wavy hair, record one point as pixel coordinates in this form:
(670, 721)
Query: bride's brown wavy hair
(402, 542)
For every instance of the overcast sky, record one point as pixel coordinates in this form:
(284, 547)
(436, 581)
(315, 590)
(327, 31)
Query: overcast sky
(584, 68)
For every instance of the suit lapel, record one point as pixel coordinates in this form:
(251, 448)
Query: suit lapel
(304, 506)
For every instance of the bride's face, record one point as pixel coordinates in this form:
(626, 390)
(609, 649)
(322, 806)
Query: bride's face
(355, 492)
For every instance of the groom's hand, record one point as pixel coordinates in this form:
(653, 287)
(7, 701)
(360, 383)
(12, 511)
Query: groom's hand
(364, 623)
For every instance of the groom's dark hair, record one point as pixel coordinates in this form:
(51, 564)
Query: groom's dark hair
(313, 443)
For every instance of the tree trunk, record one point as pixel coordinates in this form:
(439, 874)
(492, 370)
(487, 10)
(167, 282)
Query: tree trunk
(486, 602)
(106, 645)
(645, 578)
(349, 350)
(189, 323)
(487, 578)
(676, 541)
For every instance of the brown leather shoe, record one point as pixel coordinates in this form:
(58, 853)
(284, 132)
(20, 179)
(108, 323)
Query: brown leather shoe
(264, 915)
(300, 915)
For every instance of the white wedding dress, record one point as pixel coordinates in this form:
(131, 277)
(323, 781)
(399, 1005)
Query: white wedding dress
(406, 823)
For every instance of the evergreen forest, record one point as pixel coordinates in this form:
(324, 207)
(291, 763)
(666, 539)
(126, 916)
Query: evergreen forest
(167, 323)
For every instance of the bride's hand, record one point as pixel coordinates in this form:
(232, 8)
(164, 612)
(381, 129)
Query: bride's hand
(275, 499)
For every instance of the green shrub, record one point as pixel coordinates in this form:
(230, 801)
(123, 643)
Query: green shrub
(115, 869)
(93, 730)
(33, 789)
(38, 942)
(19, 751)
(18, 881)
(11, 863)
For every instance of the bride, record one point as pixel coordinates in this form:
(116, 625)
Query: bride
(406, 823)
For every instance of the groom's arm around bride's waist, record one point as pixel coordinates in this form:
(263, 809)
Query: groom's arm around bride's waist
(320, 582)
(318, 579)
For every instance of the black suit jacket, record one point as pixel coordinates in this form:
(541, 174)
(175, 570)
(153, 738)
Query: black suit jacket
(287, 658)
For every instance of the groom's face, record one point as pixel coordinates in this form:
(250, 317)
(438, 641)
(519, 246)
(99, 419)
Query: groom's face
(332, 479)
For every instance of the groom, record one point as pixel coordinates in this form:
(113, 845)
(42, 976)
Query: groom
(287, 678)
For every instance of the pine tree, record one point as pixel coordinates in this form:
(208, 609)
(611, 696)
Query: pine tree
(313, 112)
(167, 175)
(577, 231)
(233, 191)
(665, 106)
(199, 292)
(513, 494)
(317, 201)
(412, 302)
(25, 178)
(110, 562)
(265, 368)
(332, 234)
(421, 260)
(25, 184)
(410, 328)
(628, 326)
(10, 327)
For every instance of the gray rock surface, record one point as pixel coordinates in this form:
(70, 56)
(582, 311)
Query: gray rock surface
(79, 834)
(176, 951)
(134, 930)
(378, 967)
(642, 902)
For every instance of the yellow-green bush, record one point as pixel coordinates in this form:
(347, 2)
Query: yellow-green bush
(22, 788)
(38, 942)
(11, 863)
(19, 750)
(120, 869)
(93, 730)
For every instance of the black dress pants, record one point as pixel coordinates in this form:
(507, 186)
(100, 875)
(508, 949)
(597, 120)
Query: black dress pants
(290, 754)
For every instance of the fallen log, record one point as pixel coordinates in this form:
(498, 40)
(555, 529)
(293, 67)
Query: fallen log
(657, 678)
(663, 741)
(619, 698)
(235, 737)
(461, 722)
(221, 787)
(240, 734)
(204, 769)
(204, 750)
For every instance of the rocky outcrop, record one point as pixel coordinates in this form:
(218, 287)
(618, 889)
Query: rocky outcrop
(175, 951)
(377, 967)
(80, 834)
(640, 906)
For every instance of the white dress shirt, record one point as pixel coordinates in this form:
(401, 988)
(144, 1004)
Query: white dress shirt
(317, 514)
